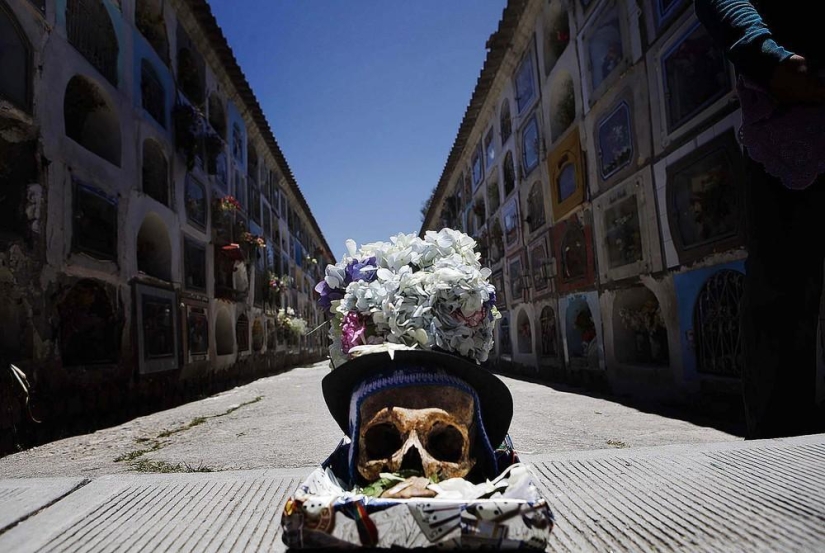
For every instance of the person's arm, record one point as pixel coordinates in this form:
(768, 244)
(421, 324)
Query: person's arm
(737, 27)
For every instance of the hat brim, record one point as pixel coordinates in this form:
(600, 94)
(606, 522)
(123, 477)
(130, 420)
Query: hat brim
(493, 395)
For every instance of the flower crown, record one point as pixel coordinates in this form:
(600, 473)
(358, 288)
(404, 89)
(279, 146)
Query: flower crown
(410, 293)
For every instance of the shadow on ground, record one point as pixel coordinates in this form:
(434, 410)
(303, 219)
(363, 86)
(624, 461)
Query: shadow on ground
(721, 410)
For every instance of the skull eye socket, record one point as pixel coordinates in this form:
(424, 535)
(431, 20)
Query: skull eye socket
(445, 443)
(381, 441)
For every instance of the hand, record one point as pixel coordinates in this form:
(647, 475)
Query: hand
(793, 83)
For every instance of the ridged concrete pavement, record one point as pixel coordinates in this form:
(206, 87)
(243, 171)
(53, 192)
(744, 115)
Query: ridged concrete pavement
(764, 495)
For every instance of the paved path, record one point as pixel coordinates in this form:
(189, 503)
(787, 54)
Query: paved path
(611, 472)
(736, 496)
(282, 422)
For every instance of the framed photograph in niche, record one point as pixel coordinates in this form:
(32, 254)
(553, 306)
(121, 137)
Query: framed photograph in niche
(614, 140)
(530, 145)
(566, 175)
(704, 199)
(497, 279)
(573, 253)
(574, 262)
(196, 330)
(489, 149)
(477, 166)
(604, 47)
(548, 344)
(627, 235)
(539, 257)
(525, 82)
(94, 222)
(515, 269)
(157, 328)
(623, 235)
(196, 202)
(194, 265)
(510, 215)
(695, 74)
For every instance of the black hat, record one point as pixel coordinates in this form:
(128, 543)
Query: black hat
(496, 402)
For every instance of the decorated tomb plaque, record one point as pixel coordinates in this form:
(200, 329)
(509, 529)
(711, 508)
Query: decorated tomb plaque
(197, 330)
(516, 285)
(623, 237)
(605, 47)
(157, 328)
(195, 200)
(696, 74)
(511, 223)
(704, 198)
(615, 141)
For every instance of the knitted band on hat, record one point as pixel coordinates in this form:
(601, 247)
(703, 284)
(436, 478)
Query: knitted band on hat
(404, 377)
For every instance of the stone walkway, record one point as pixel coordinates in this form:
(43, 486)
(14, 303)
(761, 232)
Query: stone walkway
(764, 495)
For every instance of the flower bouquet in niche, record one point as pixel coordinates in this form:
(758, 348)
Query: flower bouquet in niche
(253, 240)
(227, 204)
(279, 284)
(252, 244)
(650, 331)
(426, 460)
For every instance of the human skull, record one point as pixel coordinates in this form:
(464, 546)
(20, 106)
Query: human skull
(428, 428)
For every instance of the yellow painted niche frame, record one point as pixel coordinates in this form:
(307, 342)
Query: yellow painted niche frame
(568, 151)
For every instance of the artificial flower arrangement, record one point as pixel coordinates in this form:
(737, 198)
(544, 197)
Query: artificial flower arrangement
(228, 204)
(287, 320)
(279, 283)
(253, 239)
(410, 292)
(648, 318)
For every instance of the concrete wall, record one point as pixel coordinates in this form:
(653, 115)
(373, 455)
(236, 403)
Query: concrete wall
(40, 263)
(645, 39)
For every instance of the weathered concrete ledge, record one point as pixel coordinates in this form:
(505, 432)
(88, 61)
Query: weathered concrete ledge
(766, 495)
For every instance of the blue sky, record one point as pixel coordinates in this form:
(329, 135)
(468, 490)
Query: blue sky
(365, 98)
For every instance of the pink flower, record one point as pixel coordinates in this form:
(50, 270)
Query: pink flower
(473, 320)
(353, 331)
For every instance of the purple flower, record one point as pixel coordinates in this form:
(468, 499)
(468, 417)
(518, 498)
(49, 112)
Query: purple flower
(360, 270)
(490, 302)
(328, 295)
(355, 270)
(353, 331)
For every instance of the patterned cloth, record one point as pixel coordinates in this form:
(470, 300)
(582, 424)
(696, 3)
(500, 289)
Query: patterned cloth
(788, 141)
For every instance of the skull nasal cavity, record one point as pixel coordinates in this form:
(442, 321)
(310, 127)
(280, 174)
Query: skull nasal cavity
(381, 441)
(412, 460)
(445, 443)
